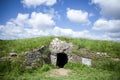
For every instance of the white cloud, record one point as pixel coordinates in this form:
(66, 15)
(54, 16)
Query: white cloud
(109, 7)
(111, 27)
(57, 31)
(21, 20)
(1, 27)
(25, 25)
(78, 16)
(107, 25)
(41, 21)
(39, 24)
(35, 3)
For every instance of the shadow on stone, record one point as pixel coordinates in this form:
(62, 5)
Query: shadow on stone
(62, 59)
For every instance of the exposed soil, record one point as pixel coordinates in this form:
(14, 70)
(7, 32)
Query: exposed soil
(60, 72)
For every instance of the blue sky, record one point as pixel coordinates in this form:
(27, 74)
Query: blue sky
(93, 19)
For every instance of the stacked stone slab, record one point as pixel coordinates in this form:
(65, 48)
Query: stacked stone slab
(36, 57)
(58, 46)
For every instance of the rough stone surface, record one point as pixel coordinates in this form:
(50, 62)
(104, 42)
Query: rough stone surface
(86, 61)
(10, 57)
(13, 54)
(101, 54)
(58, 46)
(36, 57)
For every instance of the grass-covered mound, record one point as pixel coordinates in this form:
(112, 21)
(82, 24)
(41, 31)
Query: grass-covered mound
(103, 68)
(22, 45)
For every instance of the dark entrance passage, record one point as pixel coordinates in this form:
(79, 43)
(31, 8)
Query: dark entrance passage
(62, 59)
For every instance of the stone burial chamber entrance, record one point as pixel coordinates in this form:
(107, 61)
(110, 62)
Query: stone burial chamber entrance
(62, 59)
(60, 51)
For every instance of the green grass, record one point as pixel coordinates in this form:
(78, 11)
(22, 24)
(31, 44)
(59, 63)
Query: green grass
(22, 45)
(102, 69)
(111, 48)
(79, 72)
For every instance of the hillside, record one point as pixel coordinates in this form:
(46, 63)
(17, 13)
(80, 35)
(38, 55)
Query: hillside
(22, 45)
(103, 68)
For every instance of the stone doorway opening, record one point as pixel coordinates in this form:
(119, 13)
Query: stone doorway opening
(62, 59)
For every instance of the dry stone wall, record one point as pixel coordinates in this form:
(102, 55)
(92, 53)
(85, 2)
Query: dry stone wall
(57, 46)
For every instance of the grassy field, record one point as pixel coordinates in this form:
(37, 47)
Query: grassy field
(79, 72)
(20, 46)
(103, 69)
